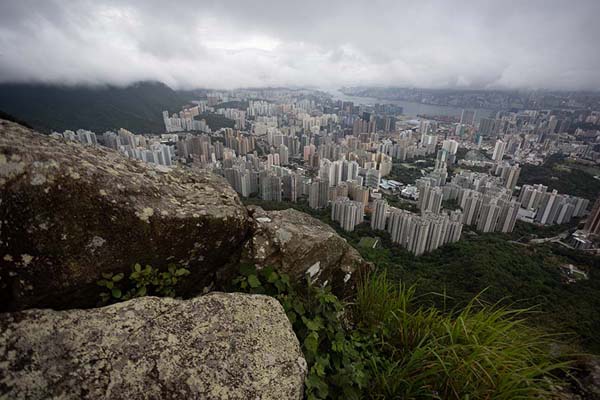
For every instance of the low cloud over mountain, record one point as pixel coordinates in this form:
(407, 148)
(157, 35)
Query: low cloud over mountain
(226, 44)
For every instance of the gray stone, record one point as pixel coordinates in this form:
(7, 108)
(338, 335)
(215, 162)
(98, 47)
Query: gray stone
(218, 346)
(70, 212)
(305, 248)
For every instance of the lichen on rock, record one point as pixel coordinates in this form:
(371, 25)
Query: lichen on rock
(76, 211)
(71, 212)
(218, 346)
(305, 248)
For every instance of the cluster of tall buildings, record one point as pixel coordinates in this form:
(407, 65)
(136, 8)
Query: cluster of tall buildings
(290, 146)
(314, 123)
(361, 125)
(320, 194)
(347, 212)
(249, 176)
(158, 151)
(490, 213)
(83, 136)
(238, 116)
(337, 156)
(185, 120)
(417, 233)
(549, 207)
(430, 197)
(509, 174)
(486, 203)
(406, 147)
(261, 107)
(338, 171)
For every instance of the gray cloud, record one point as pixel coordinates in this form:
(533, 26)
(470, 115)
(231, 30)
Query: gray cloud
(227, 44)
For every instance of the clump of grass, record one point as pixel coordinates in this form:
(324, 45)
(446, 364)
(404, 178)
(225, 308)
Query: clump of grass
(388, 346)
(479, 352)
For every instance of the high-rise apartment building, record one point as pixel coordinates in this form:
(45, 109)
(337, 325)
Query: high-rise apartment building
(451, 146)
(318, 194)
(347, 212)
(290, 187)
(372, 178)
(284, 155)
(592, 225)
(510, 175)
(499, 150)
(488, 215)
(471, 204)
(422, 233)
(486, 126)
(531, 196)
(270, 187)
(508, 215)
(379, 215)
(430, 198)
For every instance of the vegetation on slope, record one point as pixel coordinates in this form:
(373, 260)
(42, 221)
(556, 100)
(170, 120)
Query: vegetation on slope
(11, 118)
(524, 276)
(240, 105)
(386, 345)
(557, 174)
(216, 121)
(137, 107)
(405, 174)
(491, 264)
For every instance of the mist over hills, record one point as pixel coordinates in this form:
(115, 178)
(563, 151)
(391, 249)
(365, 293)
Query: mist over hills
(137, 107)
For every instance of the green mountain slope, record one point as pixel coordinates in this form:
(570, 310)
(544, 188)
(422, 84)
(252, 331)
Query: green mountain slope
(137, 107)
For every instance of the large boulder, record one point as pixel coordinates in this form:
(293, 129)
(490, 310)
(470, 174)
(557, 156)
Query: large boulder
(305, 248)
(218, 346)
(70, 212)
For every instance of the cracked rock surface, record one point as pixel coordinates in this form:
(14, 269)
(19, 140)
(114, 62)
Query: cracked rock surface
(69, 212)
(303, 247)
(217, 346)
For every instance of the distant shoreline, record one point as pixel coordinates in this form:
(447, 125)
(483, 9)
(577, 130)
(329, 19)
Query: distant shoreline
(411, 108)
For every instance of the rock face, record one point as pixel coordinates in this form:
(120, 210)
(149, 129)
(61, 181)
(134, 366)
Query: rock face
(587, 372)
(582, 382)
(218, 346)
(70, 212)
(303, 246)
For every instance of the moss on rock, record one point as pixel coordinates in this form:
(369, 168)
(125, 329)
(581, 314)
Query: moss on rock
(218, 346)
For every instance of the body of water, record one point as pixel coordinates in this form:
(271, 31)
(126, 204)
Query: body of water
(410, 108)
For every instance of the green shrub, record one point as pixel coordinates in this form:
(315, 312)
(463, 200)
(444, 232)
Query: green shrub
(142, 281)
(479, 352)
(385, 346)
(337, 359)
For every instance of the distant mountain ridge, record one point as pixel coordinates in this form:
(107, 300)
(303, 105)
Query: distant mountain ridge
(137, 107)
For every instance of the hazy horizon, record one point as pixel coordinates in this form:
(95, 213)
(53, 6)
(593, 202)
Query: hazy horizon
(327, 89)
(432, 44)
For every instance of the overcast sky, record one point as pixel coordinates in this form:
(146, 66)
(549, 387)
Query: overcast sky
(323, 43)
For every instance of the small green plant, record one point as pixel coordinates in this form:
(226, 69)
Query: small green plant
(480, 351)
(142, 281)
(337, 361)
(386, 346)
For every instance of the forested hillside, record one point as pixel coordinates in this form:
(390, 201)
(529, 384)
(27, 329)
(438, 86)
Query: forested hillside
(137, 107)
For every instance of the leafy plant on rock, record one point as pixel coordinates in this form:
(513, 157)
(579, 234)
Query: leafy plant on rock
(387, 346)
(337, 360)
(142, 281)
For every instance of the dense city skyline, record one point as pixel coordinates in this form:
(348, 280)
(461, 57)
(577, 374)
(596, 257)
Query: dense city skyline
(187, 44)
(303, 147)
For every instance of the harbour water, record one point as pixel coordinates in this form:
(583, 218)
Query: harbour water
(410, 108)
